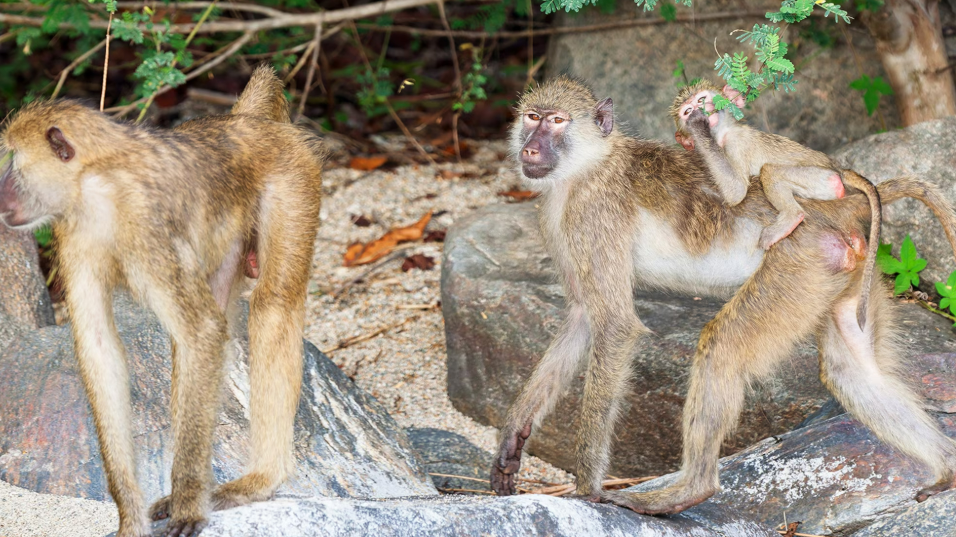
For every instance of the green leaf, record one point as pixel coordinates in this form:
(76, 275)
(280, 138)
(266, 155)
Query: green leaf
(902, 284)
(43, 235)
(780, 64)
(669, 12)
(944, 303)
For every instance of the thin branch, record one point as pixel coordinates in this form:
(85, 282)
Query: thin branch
(106, 63)
(316, 45)
(459, 89)
(69, 68)
(530, 78)
(301, 63)
(287, 20)
(227, 52)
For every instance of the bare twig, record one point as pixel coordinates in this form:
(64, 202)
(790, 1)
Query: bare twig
(530, 46)
(286, 20)
(408, 133)
(464, 477)
(106, 63)
(301, 63)
(348, 342)
(316, 45)
(458, 83)
(467, 490)
(69, 68)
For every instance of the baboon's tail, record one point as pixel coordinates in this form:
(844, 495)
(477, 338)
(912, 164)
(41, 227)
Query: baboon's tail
(263, 97)
(928, 193)
(864, 185)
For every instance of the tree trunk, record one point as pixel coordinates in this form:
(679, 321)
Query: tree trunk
(909, 39)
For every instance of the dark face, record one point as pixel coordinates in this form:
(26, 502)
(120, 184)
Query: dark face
(544, 135)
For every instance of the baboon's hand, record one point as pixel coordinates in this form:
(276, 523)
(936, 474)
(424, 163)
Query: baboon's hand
(698, 124)
(508, 462)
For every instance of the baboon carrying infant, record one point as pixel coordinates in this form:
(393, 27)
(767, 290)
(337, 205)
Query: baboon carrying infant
(617, 213)
(175, 215)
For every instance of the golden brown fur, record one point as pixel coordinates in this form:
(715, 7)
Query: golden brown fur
(618, 212)
(168, 214)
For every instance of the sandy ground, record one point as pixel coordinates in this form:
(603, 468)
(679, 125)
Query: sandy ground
(403, 364)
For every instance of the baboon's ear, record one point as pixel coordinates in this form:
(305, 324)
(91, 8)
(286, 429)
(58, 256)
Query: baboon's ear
(60, 146)
(604, 116)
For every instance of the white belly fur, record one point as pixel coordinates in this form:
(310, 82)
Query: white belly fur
(661, 261)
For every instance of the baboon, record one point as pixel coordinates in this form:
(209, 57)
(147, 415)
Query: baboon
(173, 215)
(617, 213)
(734, 152)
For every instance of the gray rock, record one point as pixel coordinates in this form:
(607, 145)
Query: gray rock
(926, 151)
(936, 517)
(502, 306)
(835, 477)
(634, 66)
(346, 444)
(515, 516)
(449, 454)
(24, 301)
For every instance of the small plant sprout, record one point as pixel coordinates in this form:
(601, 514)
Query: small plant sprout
(906, 268)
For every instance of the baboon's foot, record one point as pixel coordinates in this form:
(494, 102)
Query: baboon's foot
(942, 485)
(185, 528)
(254, 487)
(666, 501)
(508, 461)
(780, 229)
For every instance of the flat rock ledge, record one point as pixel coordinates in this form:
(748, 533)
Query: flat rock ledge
(515, 516)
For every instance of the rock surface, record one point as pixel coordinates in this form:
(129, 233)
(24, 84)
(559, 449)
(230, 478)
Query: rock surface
(502, 307)
(935, 517)
(346, 443)
(451, 454)
(835, 477)
(634, 66)
(515, 516)
(926, 151)
(24, 301)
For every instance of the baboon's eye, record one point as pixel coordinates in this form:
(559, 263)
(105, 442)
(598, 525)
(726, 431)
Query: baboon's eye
(559, 120)
(534, 117)
(701, 100)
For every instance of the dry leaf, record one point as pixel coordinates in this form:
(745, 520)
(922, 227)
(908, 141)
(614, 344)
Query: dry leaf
(381, 247)
(419, 261)
(449, 174)
(367, 164)
(352, 252)
(361, 220)
(519, 195)
(435, 236)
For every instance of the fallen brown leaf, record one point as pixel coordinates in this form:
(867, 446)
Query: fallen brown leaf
(367, 164)
(519, 195)
(379, 248)
(419, 261)
(435, 236)
(361, 220)
(449, 174)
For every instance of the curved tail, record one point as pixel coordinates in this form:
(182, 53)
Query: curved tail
(874, 196)
(263, 97)
(929, 194)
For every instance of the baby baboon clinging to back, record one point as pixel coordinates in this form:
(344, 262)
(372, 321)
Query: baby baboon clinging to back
(734, 152)
(173, 215)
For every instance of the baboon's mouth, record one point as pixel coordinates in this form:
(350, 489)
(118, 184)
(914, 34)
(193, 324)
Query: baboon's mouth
(536, 171)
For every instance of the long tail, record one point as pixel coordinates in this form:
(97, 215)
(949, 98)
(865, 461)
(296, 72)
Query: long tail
(929, 194)
(864, 185)
(263, 97)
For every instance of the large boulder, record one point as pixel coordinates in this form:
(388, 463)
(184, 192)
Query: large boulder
(24, 300)
(451, 460)
(933, 518)
(502, 307)
(926, 151)
(634, 66)
(516, 516)
(346, 444)
(835, 477)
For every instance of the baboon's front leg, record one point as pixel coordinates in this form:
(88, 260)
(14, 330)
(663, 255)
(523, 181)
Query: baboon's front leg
(102, 363)
(547, 382)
